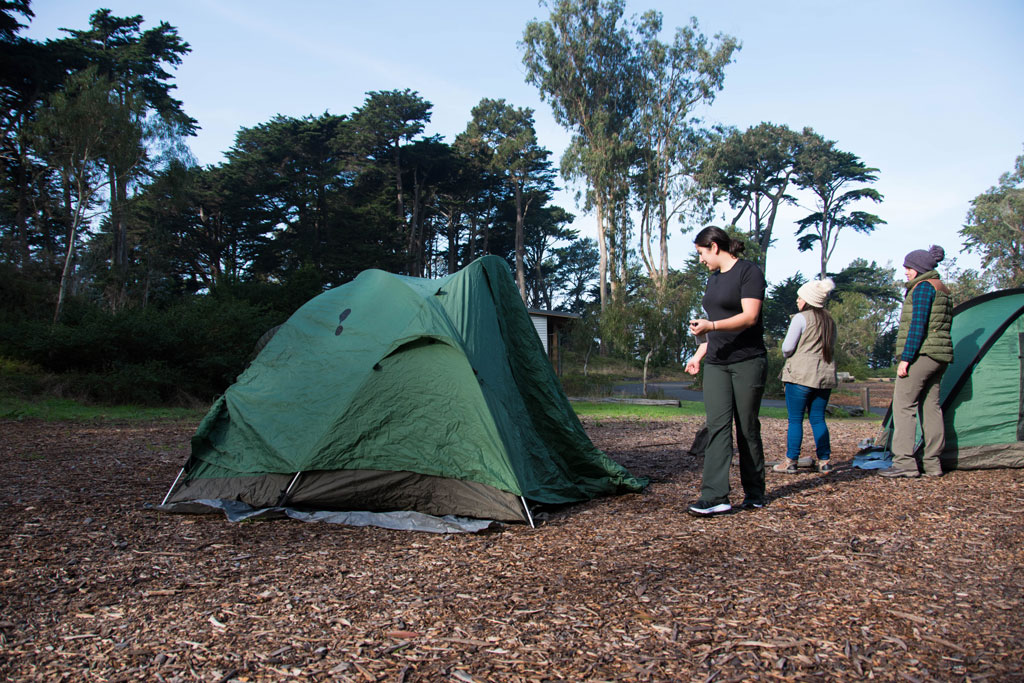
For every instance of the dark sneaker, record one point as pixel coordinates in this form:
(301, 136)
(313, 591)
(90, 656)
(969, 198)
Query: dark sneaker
(705, 509)
(753, 503)
(824, 466)
(893, 473)
(787, 466)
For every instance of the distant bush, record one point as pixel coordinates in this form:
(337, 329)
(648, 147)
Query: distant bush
(773, 384)
(889, 371)
(858, 367)
(20, 378)
(587, 386)
(25, 294)
(187, 352)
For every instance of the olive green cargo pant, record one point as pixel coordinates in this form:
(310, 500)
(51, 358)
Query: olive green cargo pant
(731, 392)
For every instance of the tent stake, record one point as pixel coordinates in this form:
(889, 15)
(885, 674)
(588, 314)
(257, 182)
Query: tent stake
(529, 517)
(284, 496)
(171, 490)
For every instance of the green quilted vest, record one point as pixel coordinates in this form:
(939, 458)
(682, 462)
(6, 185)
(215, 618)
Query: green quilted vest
(937, 344)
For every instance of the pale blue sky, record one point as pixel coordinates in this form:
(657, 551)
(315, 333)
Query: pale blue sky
(928, 91)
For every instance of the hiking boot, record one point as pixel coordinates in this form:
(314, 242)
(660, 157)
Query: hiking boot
(787, 466)
(753, 503)
(933, 474)
(824, 466)
(703, 508)
(893, 473)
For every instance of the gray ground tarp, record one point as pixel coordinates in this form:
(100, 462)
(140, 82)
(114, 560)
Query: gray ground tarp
(403, 521)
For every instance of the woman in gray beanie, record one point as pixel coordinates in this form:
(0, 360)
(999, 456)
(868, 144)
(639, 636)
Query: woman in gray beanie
(925, 349)
(809, 374)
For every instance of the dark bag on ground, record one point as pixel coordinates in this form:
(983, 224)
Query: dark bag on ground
(700, 442)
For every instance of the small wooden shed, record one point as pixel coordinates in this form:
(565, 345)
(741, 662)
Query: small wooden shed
(551, 327)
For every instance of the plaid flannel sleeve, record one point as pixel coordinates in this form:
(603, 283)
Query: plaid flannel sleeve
(923, 296)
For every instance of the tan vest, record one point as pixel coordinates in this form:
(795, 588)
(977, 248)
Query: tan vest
(807, 366)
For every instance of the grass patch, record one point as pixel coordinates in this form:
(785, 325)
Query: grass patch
(612, 370)
(629, 411)
(62, 409)
(634, 411)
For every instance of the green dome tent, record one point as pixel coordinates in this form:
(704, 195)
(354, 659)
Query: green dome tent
(398, 393)
(982, 391)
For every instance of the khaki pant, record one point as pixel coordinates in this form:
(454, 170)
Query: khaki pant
(915, 395)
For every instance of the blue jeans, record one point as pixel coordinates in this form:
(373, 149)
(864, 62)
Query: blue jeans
(801, 400)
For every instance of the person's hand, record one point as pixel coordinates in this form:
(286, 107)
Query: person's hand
(700, 326)
(692, 366)
(903, 369)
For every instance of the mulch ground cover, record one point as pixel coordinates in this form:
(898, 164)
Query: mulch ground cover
(845, 576)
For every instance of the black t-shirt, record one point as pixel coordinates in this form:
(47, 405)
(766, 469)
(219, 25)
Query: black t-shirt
(722, 300)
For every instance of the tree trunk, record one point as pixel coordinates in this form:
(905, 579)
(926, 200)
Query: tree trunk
(542, 291)
(647, 360)
(520, 243)
(415, 233)
(65, 275)
(602, 267)
(119, 248)
(398, 185)
(21, 213)
(663, 252)
(453, 241)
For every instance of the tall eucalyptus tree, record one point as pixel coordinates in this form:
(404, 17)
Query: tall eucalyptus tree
(676, 78)
(582, 62)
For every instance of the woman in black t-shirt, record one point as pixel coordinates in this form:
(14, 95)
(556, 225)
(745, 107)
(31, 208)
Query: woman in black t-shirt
(732, 347)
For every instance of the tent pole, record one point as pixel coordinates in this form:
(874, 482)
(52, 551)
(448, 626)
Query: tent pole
(171, 490)
(529, 517)
(284, 496)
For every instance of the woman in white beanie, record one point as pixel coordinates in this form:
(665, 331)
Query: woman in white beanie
(809, 374)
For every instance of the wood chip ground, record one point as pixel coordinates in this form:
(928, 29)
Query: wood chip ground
(845, 576)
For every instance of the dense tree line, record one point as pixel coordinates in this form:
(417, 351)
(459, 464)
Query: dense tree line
(104, 214)
(110, 232)
(100, 195)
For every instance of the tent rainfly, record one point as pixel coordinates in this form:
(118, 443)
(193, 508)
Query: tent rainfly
(982, 390)
(395, 393)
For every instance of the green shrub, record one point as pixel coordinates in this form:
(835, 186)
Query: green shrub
(773, 384)
(25, 294)
(20, 378)
(185, 353)
(888, 371)
(587, 386)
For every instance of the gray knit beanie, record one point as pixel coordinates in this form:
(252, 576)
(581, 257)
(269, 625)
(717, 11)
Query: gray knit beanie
(922, 261)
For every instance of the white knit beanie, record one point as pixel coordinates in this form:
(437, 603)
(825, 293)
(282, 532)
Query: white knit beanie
(816, 291)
